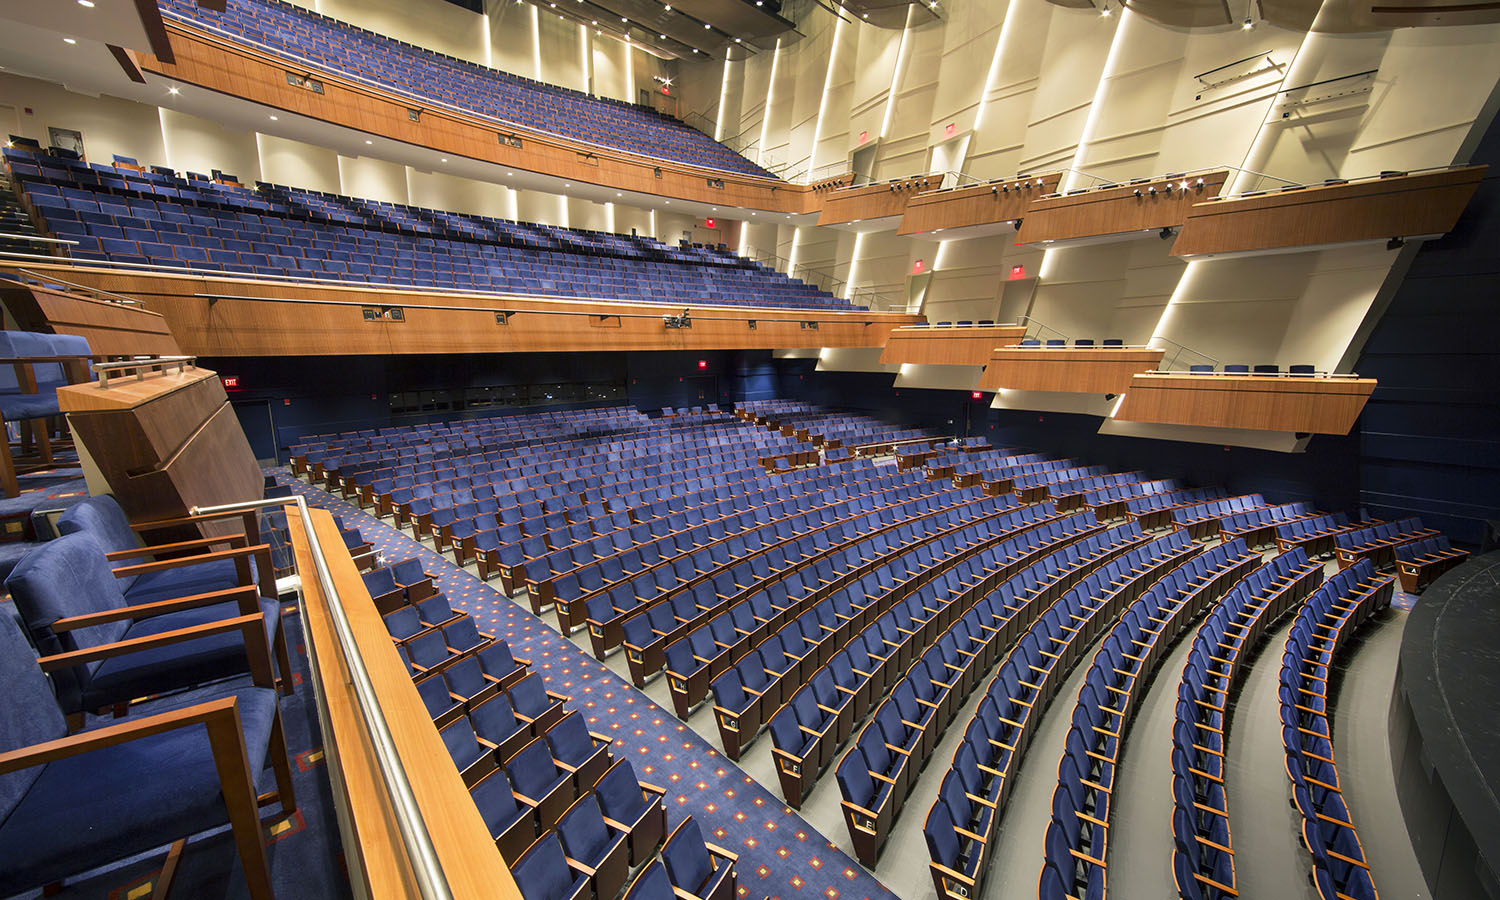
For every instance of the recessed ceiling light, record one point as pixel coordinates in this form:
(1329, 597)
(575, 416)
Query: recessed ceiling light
(566, 184)
(70, 40)
(618, 194)
(669, 7)
(662, 36)
(706, 26)
(510, 174)
(369, 142)
(89, 4)
(274, 119)
(173, 91)
(623, 19)
(669, 202)
(444, 159)
(695, 49)
(736, 40)
(594, 22)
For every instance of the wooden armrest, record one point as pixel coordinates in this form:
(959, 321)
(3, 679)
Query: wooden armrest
(235, 540)
(144, 610)
(251, 627)
(163, 565)
(716, 850)
(225, 739)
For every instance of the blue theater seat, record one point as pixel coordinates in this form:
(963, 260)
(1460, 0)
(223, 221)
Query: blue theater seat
(544, 873)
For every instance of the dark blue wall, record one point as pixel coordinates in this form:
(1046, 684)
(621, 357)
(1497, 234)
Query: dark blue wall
(1430, 435)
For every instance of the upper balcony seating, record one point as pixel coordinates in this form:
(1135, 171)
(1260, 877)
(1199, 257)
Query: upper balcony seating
(69, 803)
(134, 218)
(372, 58)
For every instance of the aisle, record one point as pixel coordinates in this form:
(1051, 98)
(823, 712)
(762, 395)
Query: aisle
(781, 855)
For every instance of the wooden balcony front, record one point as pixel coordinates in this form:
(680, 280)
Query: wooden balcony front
(1389, 206)
(961, 345)
(1077, 370)
(1304, 404)
(211, 315)
(979, 204)
(1145, 205)
(872, 201)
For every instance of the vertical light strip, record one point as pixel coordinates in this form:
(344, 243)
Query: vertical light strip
(791, 255)
(859, 239)
(994, 73)
(1178, 294)
(1071, 178)
(723, 98)
(833, 55)
(609, 218)
(937, 260)
(562, 211)
(1270, 124)
(536, 40)
(653, 225)
(765, 117)
(629, 71)
(489, 46)
(513, 204)
(166, 146)
(890, 98)
(585, 77)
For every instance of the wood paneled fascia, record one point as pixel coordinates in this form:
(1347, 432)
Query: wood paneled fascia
(1374, 209)
(212, 316)
(1258, 402)
(112, 329)
(1078, 370)
(871, 201)
(1122, 209)
(965, 346)
(238, 70)
(981, 204)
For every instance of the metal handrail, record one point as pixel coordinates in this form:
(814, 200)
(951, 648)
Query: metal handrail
(129, 301)
(388, 288)
(1043, 326)
(1220, 374)
(34, 238)
(141, 366)
(431, 879)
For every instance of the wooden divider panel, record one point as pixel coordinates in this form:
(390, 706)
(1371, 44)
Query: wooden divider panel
(1258, 402)
(966, 346)
(1141, 206)
(1080, 370)
(112, 329)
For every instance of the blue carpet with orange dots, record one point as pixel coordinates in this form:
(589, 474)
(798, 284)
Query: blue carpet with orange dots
(780, 855)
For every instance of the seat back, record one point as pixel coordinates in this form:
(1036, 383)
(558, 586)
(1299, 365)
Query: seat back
(28, 711)
(66, 577)
(543, 873)
(103, 518)
(619, 793)
(652, 884)
(686, 857)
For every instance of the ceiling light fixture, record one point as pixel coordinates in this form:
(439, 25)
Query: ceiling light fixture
(174, 91)
(275, 119)
(86, 4)
(369, 142)
(444, 159)
(70, 40)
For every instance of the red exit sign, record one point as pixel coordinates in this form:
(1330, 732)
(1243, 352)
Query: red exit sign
(231, 382)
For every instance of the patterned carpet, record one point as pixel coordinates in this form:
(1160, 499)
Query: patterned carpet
(780, 855)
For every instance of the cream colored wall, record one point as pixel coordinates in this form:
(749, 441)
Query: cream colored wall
(109, 125)
(293, 163)
(198, 145)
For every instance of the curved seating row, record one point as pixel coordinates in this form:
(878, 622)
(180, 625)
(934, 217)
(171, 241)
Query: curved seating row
(1110, 503)
(1378, 543)
(747, 695)
(1324, 624)
(1314, 535)
(836, 610)
(1077, 836)
(1203, 854)
(977, 785)
(803, 742)
(1202, 520)
(1420, 562)
(1257, 527)
(1153, 511)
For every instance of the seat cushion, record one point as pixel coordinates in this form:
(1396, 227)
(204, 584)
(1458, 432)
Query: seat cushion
(132, 796)
(176, 665)
(195, 579)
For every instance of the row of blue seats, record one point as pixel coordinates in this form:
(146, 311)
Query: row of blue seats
(1077, 835)
(827, 609)
(1378, 543)
(1203, 849)
(1314, 534)
(806, 737)
(1110, 502)
(1419, 562)
(1257, 527)
(809, 535)
(1324, 625)
(1201, 520)
(740, 716)
(977, 784)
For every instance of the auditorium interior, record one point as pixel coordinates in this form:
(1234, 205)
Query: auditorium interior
(749, 449)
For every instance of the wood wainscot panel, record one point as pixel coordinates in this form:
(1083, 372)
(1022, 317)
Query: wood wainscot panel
(981, 204)
(221, 316)
(378, 861)
(872, 201)
(1120, 209)
(1078, 370)
(111, 328)
(165, 442)
(1310, 404)
(967, 346)
(1374, 209)
(239, 70)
